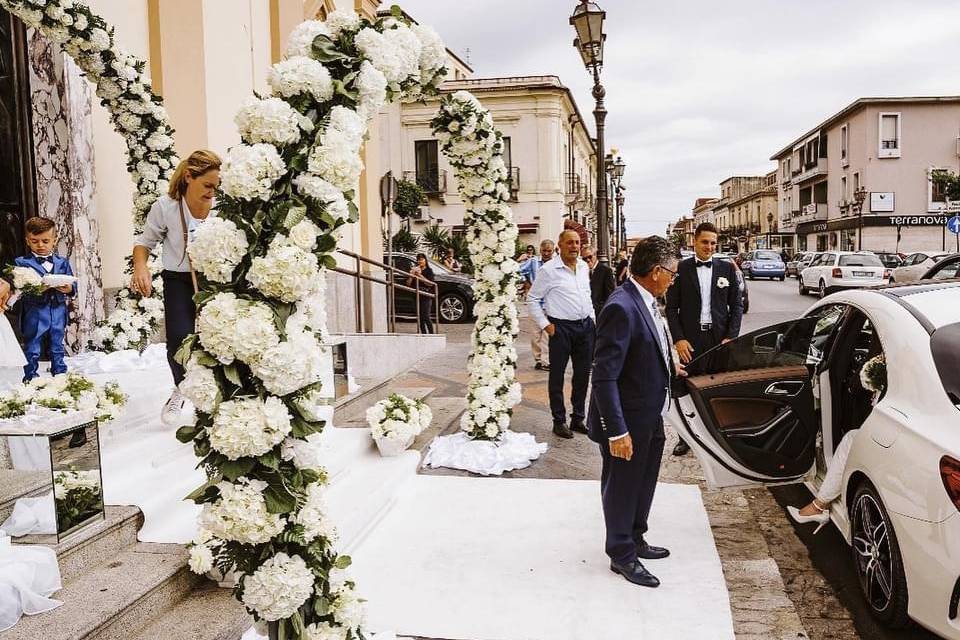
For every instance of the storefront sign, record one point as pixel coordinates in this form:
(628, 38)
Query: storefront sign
(869, 220)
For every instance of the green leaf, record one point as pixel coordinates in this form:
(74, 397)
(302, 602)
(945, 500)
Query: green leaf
(303, 428)
(321, 606)
(354, 210)
(326, 243)
(231, 373)
(233, 469)
(294, 216)
(206, 359)
(325, 50)
(396, 11)
(342, 562)
(328, 261)
(279, 500)
(183, 353)
(271, 459)
(207, 492)
(187, 433)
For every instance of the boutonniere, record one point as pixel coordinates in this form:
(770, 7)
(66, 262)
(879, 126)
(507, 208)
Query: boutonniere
(722, 283)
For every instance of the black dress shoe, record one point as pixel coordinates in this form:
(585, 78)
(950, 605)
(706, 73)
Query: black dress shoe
(649, 552)
(78, 439)
(681, 449)
(636, 573)
(538, 367)
(561, 429)
(578, 426)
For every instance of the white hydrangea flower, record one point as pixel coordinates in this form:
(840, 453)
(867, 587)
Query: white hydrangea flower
(240, 514)
(371, 87)
(322, 191)
(300, 75)
(200, 386)
(304, 235)
(201, 559)
(305, 454)
(313, 517)
(279, 587)
(300, 41)
(342, 20)
(325, 631)
(348, 608)
(286, 272)
(232, 328)
(270, 120)
(249, 427)
(290, 366)
(395, 52)
(249, 171)
(217, 247)
(339, 165)
(433, 54)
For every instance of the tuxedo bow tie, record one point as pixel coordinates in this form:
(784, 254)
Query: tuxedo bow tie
(44, 258)
(707, 264)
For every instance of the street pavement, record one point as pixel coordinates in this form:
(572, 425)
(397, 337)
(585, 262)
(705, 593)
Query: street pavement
(783, 581)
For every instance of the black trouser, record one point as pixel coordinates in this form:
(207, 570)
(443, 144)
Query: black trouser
(626, 491)
(426, 315)
(571, 340)
(179, 315)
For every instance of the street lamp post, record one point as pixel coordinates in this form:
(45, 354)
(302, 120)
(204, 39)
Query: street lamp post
(622, 243)
(858, 198)
(769, 227)
(615, 167)
(588, 19)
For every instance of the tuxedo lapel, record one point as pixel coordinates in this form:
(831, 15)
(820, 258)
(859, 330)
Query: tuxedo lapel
(693, 281)
(650, 322)
(35, 264)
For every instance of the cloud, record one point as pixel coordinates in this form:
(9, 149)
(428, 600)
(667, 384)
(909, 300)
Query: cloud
(699, 90)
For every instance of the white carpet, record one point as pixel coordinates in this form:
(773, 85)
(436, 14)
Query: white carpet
(483, 559)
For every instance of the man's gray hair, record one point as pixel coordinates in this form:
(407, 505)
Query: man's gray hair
(546, 242)
(651, 252)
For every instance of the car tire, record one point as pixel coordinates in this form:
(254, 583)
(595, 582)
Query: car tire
(822, 290)
(746, 306)
(803, 289)
(876, 558)
(782, 278)
(453, 308)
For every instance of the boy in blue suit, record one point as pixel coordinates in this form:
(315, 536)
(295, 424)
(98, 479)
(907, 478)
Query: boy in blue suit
(44, 317)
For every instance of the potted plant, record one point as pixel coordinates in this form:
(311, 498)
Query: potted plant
(396, 422)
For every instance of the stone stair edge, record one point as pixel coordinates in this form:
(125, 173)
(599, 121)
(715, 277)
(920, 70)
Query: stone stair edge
(207, 613)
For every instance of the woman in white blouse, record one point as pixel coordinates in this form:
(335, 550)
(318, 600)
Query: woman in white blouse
(171, 221)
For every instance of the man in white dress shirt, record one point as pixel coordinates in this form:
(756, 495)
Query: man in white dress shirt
(560, 304)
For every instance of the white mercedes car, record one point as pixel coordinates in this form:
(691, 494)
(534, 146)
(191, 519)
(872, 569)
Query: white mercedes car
(917, 264)
(834, 270)
(770, 407)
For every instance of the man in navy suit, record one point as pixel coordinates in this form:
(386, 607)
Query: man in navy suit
(632, 371)
(705, 306)
(44, 317)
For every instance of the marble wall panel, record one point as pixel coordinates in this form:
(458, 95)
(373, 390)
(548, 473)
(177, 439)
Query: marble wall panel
(61, 99)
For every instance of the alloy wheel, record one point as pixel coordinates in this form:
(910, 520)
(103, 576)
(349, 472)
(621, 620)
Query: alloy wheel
(823, 289)
(452, 308)
(871, 545)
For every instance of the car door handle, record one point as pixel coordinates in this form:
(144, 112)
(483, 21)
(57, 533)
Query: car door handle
(786, 388)
(760, 430)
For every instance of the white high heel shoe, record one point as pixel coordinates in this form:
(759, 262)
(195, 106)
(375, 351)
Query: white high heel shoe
(821, 518)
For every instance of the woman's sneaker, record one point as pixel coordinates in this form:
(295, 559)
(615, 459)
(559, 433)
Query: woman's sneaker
(172, 412)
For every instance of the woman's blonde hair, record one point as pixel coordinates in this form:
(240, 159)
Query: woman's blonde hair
(194, 166)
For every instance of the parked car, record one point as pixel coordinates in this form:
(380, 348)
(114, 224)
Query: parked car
(455, 291)
(771, 406)
(799, 262)
(890, 260)
(834, 270)
(764, 263)
(745, 292)
(945, 269)
(917, 264)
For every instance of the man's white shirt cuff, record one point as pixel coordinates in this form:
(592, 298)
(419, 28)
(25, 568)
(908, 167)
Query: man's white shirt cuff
(619, 437)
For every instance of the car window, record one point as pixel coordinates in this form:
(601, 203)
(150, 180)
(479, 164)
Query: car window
(793, 343)
(920, 258)
(860, 260)
(403, 263)
(951, 270)
(937, 259)
(767, 255)
(945, 348)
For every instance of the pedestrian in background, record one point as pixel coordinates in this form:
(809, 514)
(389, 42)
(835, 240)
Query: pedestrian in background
(623, 267)
(424, 272)
(602, 282)
(539, 339)
(561, 305)
(450, 261)
(704, 306)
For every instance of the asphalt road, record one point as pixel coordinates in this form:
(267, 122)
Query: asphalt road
(773, 302)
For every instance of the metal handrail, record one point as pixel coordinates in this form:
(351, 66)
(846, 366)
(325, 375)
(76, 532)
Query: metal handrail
(392, 287)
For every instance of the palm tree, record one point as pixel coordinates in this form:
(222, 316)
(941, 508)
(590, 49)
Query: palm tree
(437, 239)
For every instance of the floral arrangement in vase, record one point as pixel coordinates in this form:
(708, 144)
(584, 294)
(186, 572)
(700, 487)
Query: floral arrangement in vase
(65, 392)
(77, 496)
(396, 422)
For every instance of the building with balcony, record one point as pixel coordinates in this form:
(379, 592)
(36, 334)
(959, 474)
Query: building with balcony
(681, 232)
(734, 211)
(887, 146)
(549, 151)
(703, 211)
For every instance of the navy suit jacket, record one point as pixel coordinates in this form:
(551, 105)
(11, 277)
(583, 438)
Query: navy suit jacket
(630, 376)
(683, 301)
(35, 318)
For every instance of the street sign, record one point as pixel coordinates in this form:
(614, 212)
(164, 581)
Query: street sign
(953, 224)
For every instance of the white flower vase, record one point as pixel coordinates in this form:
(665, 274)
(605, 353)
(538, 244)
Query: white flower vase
(390, 447)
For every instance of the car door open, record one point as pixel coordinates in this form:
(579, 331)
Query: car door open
(749, 410)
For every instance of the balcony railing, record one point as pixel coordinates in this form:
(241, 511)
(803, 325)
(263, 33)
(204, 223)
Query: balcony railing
(433, 183)
(812, 170)
(811, 212)
(572, 185)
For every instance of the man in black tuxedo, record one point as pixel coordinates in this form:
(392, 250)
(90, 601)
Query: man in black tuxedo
(632, 372)
(704, 306)
(602, 281)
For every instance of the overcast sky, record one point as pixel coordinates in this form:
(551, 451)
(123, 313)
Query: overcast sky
(700, 90)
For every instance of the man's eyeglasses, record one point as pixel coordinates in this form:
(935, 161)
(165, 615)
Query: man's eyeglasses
(588, 258)
(673, 274)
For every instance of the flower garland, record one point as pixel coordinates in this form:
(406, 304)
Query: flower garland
(253, 366)
(124, 89)
(475, 150)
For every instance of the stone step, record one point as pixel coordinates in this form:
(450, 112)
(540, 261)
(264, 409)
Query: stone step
(110, 600)
(208, 613)
(95, 544)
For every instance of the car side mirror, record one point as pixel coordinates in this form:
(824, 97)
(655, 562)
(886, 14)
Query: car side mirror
(768, 342)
